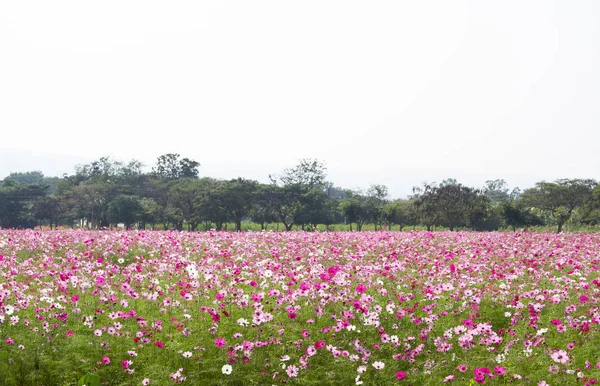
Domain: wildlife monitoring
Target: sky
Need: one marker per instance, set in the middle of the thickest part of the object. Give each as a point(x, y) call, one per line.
point(383, 92)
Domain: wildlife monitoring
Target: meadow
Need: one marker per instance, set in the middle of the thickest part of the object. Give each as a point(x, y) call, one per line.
point(298, 308)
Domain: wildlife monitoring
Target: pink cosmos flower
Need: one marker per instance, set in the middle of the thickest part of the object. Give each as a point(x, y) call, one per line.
point(361, 288)
point(560, 356)
point(449, 378)
point(400, 375)
point(292, 371)
point(105, 360)
point(479, 374)
point(220, 342)
point(499, 370)
point(462, 368)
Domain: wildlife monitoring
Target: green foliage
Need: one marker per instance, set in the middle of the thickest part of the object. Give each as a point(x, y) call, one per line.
point(451, 204)
point(89, 380)
point(107, 193)
point(559, 199)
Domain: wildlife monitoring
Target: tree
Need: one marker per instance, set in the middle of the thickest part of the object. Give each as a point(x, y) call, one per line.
point(50, 208)
point(299, 192)
point(236, 197)
point(452, 204)
point(398, 212)
point(424, 204)
point(560, 198)
point(496, 191)
point(16, 203)
point(170, 166)
point(91, 201)
point(262, 211)
point(375, 204)
point(184, 204)
point(126, 209)
point(355, 209)
point(591, 211)
point(515, 215)
point(167, 166)
point(188, 168)
point(32, 177)
point(307, 174)
point(149, 212)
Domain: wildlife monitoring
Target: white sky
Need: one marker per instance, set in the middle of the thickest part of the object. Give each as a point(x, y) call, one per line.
point(394, 92)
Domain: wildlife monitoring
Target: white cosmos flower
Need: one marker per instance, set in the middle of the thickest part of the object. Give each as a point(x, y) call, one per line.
point(226, 369)
point(9, 310)
point(378, 365)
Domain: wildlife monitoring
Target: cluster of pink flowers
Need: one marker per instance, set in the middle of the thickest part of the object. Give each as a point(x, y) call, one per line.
point(402, 306)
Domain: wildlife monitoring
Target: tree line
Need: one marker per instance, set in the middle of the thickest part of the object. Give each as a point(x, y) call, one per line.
point(108, 193)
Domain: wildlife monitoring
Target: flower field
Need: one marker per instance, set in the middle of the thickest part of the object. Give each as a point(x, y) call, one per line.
point(372, 308)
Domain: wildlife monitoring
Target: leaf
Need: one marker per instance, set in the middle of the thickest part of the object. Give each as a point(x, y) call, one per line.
point(89, 380)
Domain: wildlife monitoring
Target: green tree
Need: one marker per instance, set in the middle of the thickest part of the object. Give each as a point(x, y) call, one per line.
point(31, 177)
point(375, 204)
point(451, 204)
point(425, 206)
point(496, 191)
point(17, 202)
point(50, 208)
point(263, 211)
point(355, 209)
point(298, 192)
point(126, 209)
point(398, 212)
point(170, 166)
point(560, 198)
point(236, 197)
point(184, 204)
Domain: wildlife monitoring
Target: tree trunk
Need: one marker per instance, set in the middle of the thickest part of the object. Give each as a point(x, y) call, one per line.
point(560, 226)
point(238, 225)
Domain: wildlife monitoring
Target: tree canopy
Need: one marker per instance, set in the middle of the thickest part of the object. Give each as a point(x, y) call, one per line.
point(107, 193)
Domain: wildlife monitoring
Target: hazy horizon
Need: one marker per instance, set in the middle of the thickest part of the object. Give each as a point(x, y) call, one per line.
point(393, 93)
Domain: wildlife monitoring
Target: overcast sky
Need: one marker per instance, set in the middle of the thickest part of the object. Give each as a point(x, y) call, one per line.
point(394, 92)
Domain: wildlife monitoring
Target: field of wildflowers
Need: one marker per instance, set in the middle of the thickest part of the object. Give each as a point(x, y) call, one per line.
point(262, 308)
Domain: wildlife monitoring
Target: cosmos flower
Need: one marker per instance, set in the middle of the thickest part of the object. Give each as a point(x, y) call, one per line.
point(226, 369)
